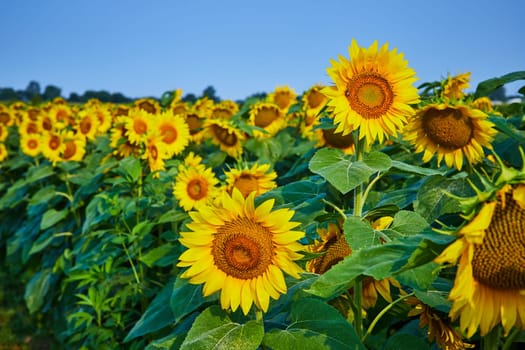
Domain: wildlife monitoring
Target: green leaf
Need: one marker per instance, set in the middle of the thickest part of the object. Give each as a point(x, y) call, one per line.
point(486, 87)
point(155, 255)
point(186, 298)
point(44, 240)
point(344, 174)
point(414, 169)
point(314, 325)
point(358, 233)
point(436, 299)
point(37, 288)
point(43, 195)
point(130, 168)
point(406, 223)
point(420, 277)
point(172, 216)
point(376, 261)
point(213, 329)
point(39, 173)
point(51, 217)
point(158, 315)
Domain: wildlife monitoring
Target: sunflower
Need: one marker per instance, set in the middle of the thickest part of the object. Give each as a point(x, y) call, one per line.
point(62, 115)
point(227, 137)
point(87, 124)
point(267, 116)
point(75, 146)
point(6, 116)
point(332, 139)
point(451, 132)
point(52, 146)
point(195, 186)
point(148, 105)
point(224, 109)
point(3, 132)
point(28, 126)
point(439, 330)
point(137, 125)
point(179, 107)
point(489, 286)
point(3, 152)
point(30, 144)
point(454, 87)
point(103, 114)
point(241, 250)
point(203, 107)
point(372, 93)
point(155, 152)
point(174, 132)
point(258, 178)
point(313, 101)
point(283, 96)
point(192, 160)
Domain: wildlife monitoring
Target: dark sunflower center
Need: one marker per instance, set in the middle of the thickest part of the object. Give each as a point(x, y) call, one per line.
point(243, 248)
point(54, 142)
point(169, 133)
point(225, 136)
point(197, 189)
point(222, 113)
point(246, 183)
point(194, 123)
point(370, 95)
point(315, 99)
point(147, 106)
point(448, 128)
point(265, 116)
point(70, 150)
point(499, 262)
point(32, 144)
point(140, 127)
point(336, 249)
point(85, 125)
point(4, 117)
point(337, 140)
point(47, 124)
point(32, 128)
point(153, 151)
point(283, 99)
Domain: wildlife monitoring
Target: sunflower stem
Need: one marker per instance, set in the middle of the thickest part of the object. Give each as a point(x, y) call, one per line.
point(510, 339)
point(358, 300)
point(491, 340)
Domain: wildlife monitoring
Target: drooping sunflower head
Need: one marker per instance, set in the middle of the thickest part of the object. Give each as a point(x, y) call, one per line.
point(373, 92)
point(267, 116)
point(258, 178)
point(224, 110)
point(454, 86)
point(282, 96)
point(229, 138)
point(330, 138)
point(195, 186)
point(332, 244)
point(489, 287)
point(451, 133)
point(242, 250)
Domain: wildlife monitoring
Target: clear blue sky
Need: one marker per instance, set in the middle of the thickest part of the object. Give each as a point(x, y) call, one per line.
point(144, 48)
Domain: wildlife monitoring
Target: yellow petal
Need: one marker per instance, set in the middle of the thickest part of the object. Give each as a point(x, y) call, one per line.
point(246, 297)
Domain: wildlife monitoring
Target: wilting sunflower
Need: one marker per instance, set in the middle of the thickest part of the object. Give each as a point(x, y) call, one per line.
point(195, 186)
point(241, 250)
point(226, 136)
point(258, 178)
point(3, 152)
point(283, 96)
point(439, 329)
point(489, 287)
point(450, 132)
point(137, 125)
point(31, 144)
point(174, 132)
point(373, 92)
point(267, 116)
point(454, 87)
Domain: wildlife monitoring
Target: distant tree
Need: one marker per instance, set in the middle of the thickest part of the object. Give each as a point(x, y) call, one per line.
point(191, 98)
point(33, 89)
point(74, 97)
point(210, 93)
point(117, 97)
point(51, 92)
point(8, 94)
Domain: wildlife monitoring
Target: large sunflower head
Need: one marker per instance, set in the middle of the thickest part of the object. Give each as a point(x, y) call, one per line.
point(195, 186)
point(450, 132)
point(373, 92)
point(267, 116)
point(226, 136)
point(258, 178)
point(241, 250)
point(489, 287)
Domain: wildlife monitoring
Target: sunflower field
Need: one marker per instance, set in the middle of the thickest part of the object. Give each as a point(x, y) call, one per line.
point(377, 212)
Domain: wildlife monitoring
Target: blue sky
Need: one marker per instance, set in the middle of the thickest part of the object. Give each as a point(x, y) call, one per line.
point(144, 48)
